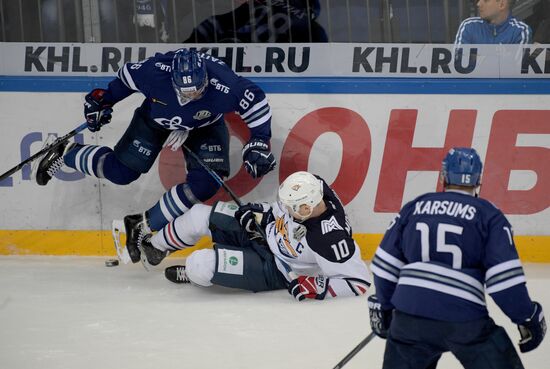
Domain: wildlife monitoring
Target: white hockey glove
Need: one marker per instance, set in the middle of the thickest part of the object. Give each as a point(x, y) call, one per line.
point(176, 139)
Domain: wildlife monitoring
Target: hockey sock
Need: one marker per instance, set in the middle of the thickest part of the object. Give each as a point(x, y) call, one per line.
point(184, 231)
point(100, 162)
point(200, 187)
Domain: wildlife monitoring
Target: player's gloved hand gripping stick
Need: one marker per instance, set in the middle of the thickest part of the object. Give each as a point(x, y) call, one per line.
point(56, 143)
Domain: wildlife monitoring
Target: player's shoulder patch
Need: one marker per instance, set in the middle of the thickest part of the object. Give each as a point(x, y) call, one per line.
point(331, 224)
point(335, 246)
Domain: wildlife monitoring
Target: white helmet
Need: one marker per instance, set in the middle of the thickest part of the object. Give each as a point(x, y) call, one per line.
point(301, 188)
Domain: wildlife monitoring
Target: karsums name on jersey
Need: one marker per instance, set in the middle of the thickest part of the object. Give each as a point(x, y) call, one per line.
point(445, 207)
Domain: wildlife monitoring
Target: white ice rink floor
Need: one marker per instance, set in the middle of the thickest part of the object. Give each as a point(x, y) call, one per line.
point(73, 312)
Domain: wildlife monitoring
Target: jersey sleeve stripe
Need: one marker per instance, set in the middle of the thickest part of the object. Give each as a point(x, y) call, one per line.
point(126, 77)
point(359, 287)
point(512, 273)
point(259, 122)
point(258, 114)
point(254, 108)
point(385, 266)
point(382, 273)
point(352, 288)
point(388, 258)
point(502, 267)
point(510, 282)
point(443, 288)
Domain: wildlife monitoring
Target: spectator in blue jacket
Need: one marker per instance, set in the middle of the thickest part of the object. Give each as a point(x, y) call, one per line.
point(495, 25)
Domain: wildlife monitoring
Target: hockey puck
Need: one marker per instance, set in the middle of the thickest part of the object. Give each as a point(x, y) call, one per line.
point(111, 262)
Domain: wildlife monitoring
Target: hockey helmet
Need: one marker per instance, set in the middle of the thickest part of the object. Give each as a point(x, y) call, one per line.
point(300, 193)
point(462, 167)
point(189, 76)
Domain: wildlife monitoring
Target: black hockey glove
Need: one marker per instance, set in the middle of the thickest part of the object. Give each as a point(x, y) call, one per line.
point(257, 158)
point(247, 216)
point(97, 111)
point(532, 331)
point(305, 287)
point(380, 320)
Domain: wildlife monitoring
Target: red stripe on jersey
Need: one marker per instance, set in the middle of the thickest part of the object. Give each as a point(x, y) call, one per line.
point(331, 291)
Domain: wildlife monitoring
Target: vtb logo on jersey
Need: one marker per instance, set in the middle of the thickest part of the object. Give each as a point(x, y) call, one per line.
point(211, 148)
point(218, 86)
point(140, 148)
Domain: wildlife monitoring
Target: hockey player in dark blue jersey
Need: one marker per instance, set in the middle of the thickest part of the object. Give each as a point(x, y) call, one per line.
point(439, 256)
point(186, 94)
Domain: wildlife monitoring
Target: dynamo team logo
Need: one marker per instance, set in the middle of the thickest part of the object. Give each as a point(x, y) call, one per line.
point(173, 124)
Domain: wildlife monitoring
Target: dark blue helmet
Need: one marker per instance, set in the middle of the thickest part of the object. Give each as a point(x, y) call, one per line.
point(189, 75)
point(462, 167)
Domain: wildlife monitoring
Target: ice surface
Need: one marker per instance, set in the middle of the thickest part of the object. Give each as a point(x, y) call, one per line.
point(73, 312)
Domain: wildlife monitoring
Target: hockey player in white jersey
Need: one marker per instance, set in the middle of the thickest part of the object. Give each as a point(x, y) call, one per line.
point(309, 250)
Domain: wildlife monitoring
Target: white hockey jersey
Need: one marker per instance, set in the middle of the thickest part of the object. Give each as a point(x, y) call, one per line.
point(319, 246)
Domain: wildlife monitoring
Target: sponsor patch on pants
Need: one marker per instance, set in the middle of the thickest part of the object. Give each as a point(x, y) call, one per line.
point(226, 208)
point(230, 261)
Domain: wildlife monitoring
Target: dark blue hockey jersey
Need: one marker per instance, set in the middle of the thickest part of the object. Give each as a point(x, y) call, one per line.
point(226, 92)
point(440, 255)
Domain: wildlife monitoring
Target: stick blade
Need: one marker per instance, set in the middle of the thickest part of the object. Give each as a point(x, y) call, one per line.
point(117, 229)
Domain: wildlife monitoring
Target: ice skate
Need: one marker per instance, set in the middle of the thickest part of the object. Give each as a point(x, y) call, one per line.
point(150, 254)
point(176, 274)
point(50, 163)
point(136, 229)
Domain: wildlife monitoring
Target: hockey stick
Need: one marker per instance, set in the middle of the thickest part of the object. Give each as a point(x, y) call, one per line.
point(213, 174)
point(54, 144)
point(261, 251)
point(221, 182)
point(354, 352)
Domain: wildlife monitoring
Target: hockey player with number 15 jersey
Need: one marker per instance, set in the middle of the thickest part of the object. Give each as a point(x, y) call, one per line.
point(436, 261)
point(310, 250)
